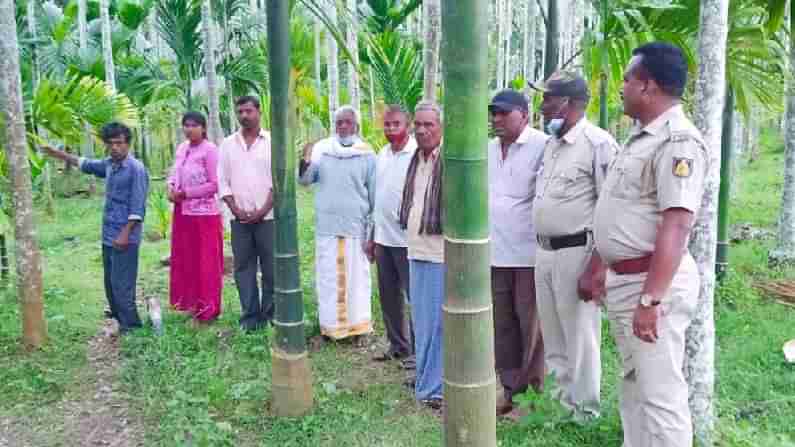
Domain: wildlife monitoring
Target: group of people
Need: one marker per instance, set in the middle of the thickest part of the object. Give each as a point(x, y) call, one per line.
point(239, 173)
point(577, 225)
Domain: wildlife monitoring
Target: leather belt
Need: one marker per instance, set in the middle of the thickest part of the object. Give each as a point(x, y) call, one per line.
point(557, 243)
point(632, 266)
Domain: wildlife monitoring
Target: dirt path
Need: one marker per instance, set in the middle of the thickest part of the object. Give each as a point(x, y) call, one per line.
point(94, 414)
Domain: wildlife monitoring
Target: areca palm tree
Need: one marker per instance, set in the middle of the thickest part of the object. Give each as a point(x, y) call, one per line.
point(178, 23)
point(754, 53)
point(430, 55)
point(30, 288)
point(709, 95)
point(107, 47)
point(215, 132)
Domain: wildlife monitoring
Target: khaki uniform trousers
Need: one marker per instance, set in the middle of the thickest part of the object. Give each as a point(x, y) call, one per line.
point(571, 329)
point(654, 396)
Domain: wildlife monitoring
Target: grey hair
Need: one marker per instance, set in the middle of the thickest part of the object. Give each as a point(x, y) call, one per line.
point(397, 108)
point(429, 106)
point(348, 109)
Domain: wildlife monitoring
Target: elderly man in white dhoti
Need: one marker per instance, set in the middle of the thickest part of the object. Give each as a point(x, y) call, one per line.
point(342, 168)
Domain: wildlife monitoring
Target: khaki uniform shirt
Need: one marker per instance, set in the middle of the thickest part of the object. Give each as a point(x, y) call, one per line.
point(662, 166)
point(423, 247)
point(572, 174)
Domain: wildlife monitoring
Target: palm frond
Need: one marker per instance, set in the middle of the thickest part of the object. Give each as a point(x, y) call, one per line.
point(397, 66)
point(381, 16)
point(62, 107)
point(178, 22)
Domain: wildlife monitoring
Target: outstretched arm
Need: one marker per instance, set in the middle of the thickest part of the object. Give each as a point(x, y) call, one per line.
point(61, 155)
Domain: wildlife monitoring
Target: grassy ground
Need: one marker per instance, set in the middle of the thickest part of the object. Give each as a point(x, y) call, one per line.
point(211, 387)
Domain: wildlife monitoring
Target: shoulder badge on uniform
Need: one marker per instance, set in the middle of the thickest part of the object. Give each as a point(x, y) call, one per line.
point(683, 167)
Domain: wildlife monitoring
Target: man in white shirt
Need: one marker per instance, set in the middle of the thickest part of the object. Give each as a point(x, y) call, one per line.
point(388, 243)
point(514, 158)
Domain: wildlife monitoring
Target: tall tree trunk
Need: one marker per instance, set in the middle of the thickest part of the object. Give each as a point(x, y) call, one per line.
point(214, 123)
point(4, 265)
point(49, 199)
point(107, 43)
point(353, 47)
point(785, 240)
point(291, 373)
point(604, 62)
point(508, 75)
point(541, 39)
point(499, 17)
point(318, 78)
point(333, 66)
point(529, 49)
point(87, 145)
point(469, 374)
point(28, 258)
point(528, 58)
point(552, 42)
point(709, 98)
point(372, 93)
point(82, 24)
point(146, 140)
point(430, 54)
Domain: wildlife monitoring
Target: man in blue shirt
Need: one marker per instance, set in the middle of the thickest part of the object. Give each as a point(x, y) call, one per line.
point(126, 187)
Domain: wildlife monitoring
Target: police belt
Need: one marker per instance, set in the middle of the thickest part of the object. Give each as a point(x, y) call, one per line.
point(632, 266)
point(557, 243)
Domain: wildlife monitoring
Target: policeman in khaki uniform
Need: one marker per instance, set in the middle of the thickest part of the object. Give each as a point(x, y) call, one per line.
point(642, 224)
point(573, 171)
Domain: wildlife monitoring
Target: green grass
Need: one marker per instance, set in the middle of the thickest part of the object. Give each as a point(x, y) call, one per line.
point(212, 387)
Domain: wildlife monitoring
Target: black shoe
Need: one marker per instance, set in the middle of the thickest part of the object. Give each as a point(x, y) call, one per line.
point(434, 403)
point(389, 356)
point(409, 363)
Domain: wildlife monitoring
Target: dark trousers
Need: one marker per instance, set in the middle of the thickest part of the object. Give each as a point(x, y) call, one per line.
point(519, 350)
point(252, 247)
point(121, 273)
point(393, 291)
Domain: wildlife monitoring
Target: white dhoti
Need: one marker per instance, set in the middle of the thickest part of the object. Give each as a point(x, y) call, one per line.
point(342, 276)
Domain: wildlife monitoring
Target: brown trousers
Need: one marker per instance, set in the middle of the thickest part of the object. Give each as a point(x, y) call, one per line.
point(519, 349)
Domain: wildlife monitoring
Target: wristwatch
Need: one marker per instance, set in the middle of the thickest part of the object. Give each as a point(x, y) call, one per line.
point(647, 300)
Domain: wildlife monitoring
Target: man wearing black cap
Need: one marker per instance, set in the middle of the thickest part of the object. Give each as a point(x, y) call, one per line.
point(514, 157)
point(574, 167)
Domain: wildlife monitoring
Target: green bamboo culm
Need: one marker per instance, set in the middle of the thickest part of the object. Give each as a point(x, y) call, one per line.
point(469, 376)
point(291, 371)
point(552, 41)
point(724, 194)
point(605, 68)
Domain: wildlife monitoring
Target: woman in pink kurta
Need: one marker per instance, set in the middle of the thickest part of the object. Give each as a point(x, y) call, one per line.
point(197, 259)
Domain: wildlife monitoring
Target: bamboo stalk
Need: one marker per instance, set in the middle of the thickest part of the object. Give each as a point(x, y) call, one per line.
point(469, 376)
point(291, 371)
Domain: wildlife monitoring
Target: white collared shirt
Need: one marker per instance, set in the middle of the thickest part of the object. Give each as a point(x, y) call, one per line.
point(512, 184)
point(390, 179)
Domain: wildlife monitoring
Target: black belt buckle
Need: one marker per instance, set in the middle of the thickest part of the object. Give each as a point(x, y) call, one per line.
point(568, 241)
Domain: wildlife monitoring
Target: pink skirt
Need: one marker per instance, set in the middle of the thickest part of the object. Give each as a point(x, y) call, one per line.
point(197, 264)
